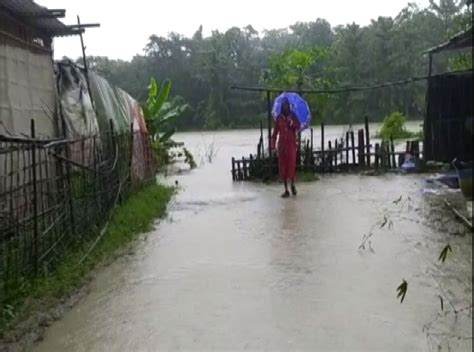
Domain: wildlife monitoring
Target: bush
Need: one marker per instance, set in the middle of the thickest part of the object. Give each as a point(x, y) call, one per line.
point(394, 126)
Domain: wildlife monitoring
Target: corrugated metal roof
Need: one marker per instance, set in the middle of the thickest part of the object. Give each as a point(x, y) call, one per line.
point(25, 11)
point(459, 41)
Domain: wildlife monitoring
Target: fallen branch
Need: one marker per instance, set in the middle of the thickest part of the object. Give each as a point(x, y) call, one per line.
point(459, 215)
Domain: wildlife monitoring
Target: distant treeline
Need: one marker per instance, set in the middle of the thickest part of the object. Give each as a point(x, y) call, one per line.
point(306, 55)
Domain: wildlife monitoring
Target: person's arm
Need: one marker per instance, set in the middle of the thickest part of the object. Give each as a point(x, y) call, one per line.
point(276, 130)
point(294, 124)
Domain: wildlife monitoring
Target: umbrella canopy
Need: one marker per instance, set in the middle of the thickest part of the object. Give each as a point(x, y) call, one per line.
point(298, 106)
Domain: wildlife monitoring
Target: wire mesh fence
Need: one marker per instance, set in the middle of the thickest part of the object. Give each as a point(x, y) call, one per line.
point(57, 193)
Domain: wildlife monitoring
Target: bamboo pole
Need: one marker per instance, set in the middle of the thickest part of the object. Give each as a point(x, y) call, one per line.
point(459, 215)
point(86, 69)
point(35, 199)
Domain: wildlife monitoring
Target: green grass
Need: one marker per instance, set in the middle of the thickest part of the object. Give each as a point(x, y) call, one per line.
point(306, 176)
point(134, 216)
point(301, 177)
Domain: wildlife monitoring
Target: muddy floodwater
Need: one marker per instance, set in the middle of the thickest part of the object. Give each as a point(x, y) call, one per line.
point(234, 267)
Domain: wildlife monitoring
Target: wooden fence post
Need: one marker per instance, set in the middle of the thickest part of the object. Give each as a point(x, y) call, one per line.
point(251, 166)
point(367, 139)
point(353, 148)
point(323, 157)
point(330, 157)
point(239, 174)
point(269, 121)
point(34, 198)
point(233, 169)
point(360, 148)
point(392, 149)
point(377, 155)
point(347, 149)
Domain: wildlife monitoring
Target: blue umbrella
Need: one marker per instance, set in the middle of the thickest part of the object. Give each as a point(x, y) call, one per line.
point(298, 106)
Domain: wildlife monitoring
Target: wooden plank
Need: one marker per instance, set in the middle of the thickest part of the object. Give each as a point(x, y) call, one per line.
point(244, 168)
point(373, 154)
point(336, 152)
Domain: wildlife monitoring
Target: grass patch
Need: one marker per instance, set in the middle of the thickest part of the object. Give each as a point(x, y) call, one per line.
point(306, 176)
point(134, 216)
point(301, 177)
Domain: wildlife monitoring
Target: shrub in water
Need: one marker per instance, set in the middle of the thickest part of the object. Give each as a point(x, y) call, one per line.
point(394, 126)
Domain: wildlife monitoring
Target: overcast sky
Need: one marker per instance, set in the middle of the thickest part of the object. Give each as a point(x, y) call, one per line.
point(126, 25)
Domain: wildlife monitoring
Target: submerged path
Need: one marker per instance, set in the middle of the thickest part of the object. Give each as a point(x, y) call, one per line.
point(234, 267)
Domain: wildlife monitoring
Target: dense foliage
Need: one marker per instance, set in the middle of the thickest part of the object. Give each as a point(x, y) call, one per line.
point(306, 55)
point(160, 116)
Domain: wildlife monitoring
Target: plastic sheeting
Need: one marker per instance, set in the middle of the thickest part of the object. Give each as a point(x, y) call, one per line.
point(85, 116)
point(110, 104)
point(141, 153)
point(27, 91)
point(75, 102)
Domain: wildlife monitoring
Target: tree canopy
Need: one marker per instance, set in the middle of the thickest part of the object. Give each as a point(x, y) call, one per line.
point(305, 55)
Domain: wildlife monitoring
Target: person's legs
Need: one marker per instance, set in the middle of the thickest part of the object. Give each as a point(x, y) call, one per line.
point(293, 188)
point(286, 194)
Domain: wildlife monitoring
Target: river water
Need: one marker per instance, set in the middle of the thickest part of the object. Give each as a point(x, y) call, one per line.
point(234, 267)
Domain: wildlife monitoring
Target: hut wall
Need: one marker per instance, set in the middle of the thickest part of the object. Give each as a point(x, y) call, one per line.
point(27, 88)
point(448, 121)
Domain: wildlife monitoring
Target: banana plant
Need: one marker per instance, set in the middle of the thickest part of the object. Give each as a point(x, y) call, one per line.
point(159, 112)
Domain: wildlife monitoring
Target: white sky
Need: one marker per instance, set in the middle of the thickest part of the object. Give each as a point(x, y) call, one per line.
point(126, 25)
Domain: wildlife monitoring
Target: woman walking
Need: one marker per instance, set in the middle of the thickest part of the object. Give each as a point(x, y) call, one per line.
point(285, 129)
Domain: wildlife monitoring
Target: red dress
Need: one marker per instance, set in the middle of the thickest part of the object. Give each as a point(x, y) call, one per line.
point(286, 131)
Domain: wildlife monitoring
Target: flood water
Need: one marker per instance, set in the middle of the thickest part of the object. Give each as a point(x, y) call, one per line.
point(234, 267)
